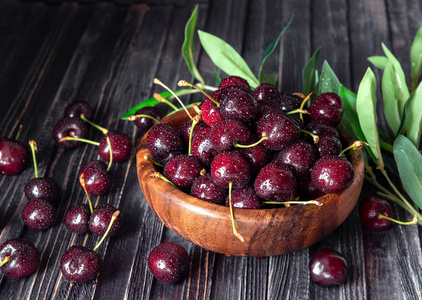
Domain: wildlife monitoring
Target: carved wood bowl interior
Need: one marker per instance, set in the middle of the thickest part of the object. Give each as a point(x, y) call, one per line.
point(267, 232)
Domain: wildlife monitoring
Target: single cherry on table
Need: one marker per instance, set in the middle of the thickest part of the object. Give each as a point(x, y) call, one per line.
point(18, 258)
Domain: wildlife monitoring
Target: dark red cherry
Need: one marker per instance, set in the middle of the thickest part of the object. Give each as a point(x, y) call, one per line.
point(265, 91)
point(168, 262)
point(258, 156)
point(233, 80)
point(205, 189)
point(144, 124)
point(307, 189)
point(70, 127)
point(321, 129)
point(39, 214)
point(76, 108)
point(288, 102)
point(80, 264)
point(245, 198)
point(42, 188)
point(370, 208)
point(77, 218)
point(14, 156)
point(163, 142)
point(182, 170)
point(186, 127)
point(328, 267)
point(327, 107)
point(332, 173)
point(96, 177)
point(121, 146)
point(238, 105)
point(210, 111)
point(202, 146)
point(100, 219)
point(275, 182)
point(281, 130)
point(226, 133)
point(230, 166)
point(18, 258)
point(328, 145)
point(299, 156)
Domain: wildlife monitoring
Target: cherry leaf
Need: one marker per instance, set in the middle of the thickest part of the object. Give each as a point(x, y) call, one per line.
point(378, 61)
point(328, 82)
point(310, 74)
point(392, 98)
point(416, 59)
point(414, 117)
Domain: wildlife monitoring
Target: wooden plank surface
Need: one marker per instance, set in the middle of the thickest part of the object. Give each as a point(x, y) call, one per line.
point(108, 55)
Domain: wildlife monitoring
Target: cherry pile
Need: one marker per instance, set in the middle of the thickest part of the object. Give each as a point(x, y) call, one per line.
point(253, 148)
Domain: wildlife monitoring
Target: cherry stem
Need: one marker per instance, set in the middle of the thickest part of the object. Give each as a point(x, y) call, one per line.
point(298, 111)
point(164, 100)
point(113, 218)
point(287, 203)
point(185, 83)
point(5, 261)
point(355, 146)
point(134, 117)
point(34, 148)
point(238, 235)
point(82, 182)
point(111, 153)
point(302, 105)
point(19, 132)
point(147, 157)
point(70, 138)
point(195, 121)
point(314, 136)
point(102, 129)
point(263, 138)
point(157, 81)
point(413, 222)
point(161, 176)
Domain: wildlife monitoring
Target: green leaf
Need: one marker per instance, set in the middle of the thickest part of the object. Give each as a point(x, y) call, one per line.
point(400, 78)
point(226, 57)
point(378, 61)
point(310, 75)
point(328, 82)
point(404, 114)
point(409, 163)
point(187, 47)
point(271, 48)
point(416, 59)
point(217, 77)
point(367, 114)
point(270, 79)
point(414, 117)
point(392, 98)
point(350, 118)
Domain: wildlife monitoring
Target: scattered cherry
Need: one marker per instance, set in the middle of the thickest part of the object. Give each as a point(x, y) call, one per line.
point(70, 127)
point(96, 177)
point(14, 156)
point(168, 262)
point(369, 210)
point(143, 123)
point(77, 218)
point(76, 108)
point(121, 146)
point(328, 267)
point(101, 217)
point(39, 214)
point(18, 258)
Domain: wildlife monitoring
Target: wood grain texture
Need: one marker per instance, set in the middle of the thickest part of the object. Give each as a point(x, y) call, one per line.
point(107, 54)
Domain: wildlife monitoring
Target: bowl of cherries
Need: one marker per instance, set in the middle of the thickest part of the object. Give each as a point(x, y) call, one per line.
point(251, 172)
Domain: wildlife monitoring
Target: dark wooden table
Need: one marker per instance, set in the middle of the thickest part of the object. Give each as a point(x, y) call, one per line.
point(107, 54)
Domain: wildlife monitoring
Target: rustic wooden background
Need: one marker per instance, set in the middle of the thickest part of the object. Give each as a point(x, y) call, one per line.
point(107, 54)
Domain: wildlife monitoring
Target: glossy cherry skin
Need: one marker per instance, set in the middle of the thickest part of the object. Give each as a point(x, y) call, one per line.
point(77, 218)
point(42, 188)
point(144, 124)
point(328, 267)
point(14, 156)
point(307, 189)
point(275, 182)
point(24, 258)
point(258, 156)
point(328, 145)
point(168, 262)
point(202, 146)
point(182, 170)
point(70, 127)
point(163, 143)
point(76, 108)
point(39, 214)
point(230, 166)
point(288, 102)
point(205, 189)
point(370, 208)
point(101, 217)
point(121, 146)
point(233, 80)
point(299, 156)
point(327, 107)
point(238, 105)
point(245, 198)
point(279, 127)
point(321, 129)
point(226, 133)
point(210, 111)
point(80, 264)
point(265, 91)
point(332, 173)
point(96, 177)
point(186, 127)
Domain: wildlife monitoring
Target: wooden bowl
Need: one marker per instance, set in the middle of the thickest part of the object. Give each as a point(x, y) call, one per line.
point(267, 232)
